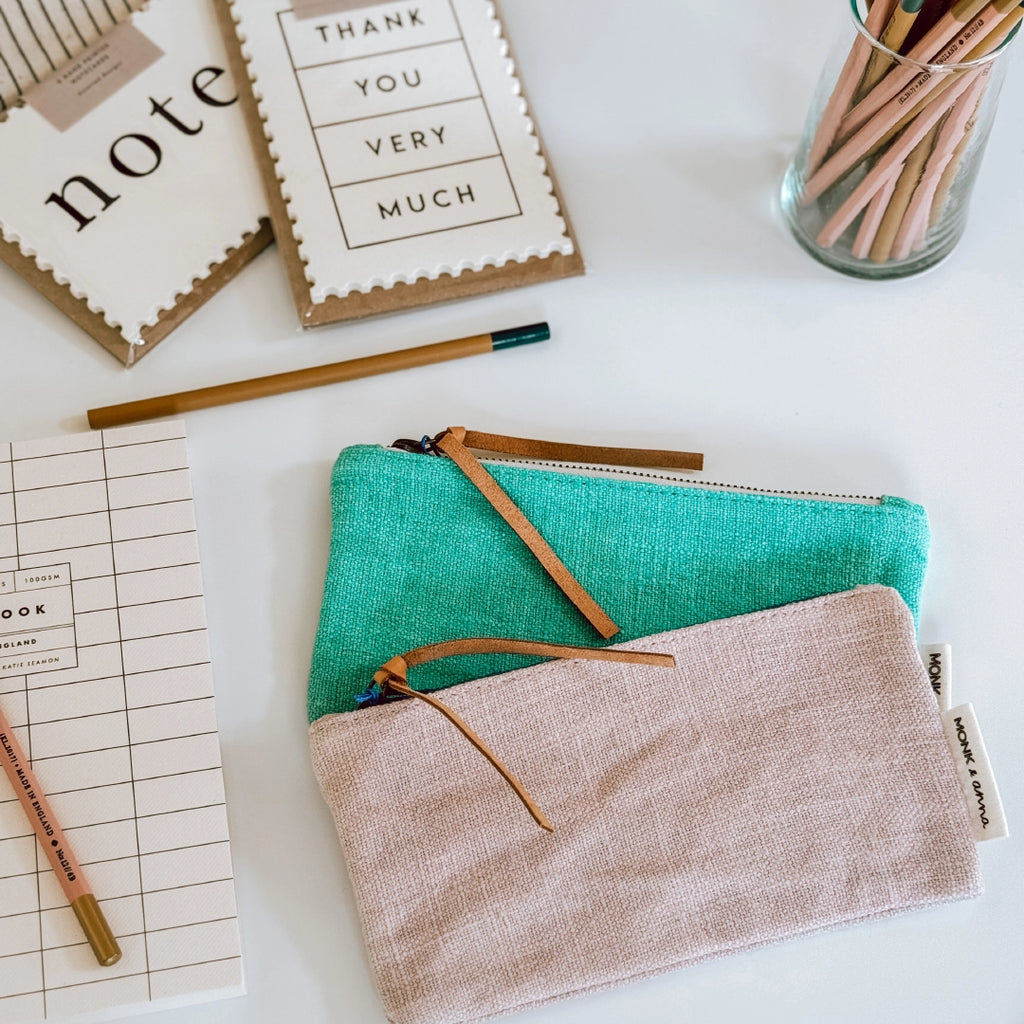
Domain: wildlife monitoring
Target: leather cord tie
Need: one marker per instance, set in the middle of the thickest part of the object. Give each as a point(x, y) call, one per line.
point(455, 442)
point(392, 679)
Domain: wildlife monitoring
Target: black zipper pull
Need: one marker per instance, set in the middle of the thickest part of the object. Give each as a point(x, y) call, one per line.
point(424, 446)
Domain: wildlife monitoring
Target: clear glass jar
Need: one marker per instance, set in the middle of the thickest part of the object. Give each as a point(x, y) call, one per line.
point(881, 182)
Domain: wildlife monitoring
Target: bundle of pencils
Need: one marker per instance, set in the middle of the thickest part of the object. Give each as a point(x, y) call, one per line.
point(894, 132)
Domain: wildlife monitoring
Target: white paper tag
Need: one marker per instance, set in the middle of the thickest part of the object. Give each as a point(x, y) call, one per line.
point(972, 766)
point(938, 663)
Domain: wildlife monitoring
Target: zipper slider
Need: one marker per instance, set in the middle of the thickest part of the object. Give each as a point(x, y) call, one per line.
point(424, 446)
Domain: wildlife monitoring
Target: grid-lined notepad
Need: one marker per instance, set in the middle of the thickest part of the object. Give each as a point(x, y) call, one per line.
point(111, 695)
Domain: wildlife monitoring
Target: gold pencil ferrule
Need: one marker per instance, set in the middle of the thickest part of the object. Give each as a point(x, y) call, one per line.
point(97, 931)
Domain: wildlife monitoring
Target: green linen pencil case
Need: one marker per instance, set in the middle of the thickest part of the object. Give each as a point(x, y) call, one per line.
point(420, 555)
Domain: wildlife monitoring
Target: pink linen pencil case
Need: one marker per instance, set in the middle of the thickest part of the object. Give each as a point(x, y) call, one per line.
point(743, 797)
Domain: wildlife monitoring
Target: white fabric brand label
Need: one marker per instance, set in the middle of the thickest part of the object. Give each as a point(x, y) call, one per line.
point(938, 663)
point(972, 765)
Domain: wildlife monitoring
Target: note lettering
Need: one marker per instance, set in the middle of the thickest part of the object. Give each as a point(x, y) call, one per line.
point(137, 154)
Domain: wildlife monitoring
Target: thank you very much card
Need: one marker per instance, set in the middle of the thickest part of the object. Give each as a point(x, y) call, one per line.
point(400, 140)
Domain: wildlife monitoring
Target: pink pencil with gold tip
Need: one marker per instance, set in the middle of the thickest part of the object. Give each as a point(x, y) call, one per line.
point(57, 848)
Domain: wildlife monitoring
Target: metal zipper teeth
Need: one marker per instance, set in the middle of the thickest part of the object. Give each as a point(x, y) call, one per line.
point(671, 478)
point(679, 481)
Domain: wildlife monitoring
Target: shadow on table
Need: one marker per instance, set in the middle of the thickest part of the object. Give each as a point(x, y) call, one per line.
point(707, 209)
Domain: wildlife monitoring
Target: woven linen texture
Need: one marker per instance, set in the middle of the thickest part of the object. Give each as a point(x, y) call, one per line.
point(790, 774)
point(418, 556)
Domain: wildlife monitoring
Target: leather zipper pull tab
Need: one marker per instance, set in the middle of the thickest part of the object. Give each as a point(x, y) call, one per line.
point(392, 680)
point(451, 443)
point(558, 451)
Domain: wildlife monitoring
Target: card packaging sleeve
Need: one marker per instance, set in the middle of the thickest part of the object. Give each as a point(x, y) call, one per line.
point(789, 775)
point(419, 556)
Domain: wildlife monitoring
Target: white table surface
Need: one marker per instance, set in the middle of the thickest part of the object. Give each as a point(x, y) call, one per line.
point(700, 325)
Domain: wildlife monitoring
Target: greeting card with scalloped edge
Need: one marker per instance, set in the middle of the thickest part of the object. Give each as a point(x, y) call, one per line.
point(129, 194)
point(402, 164)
